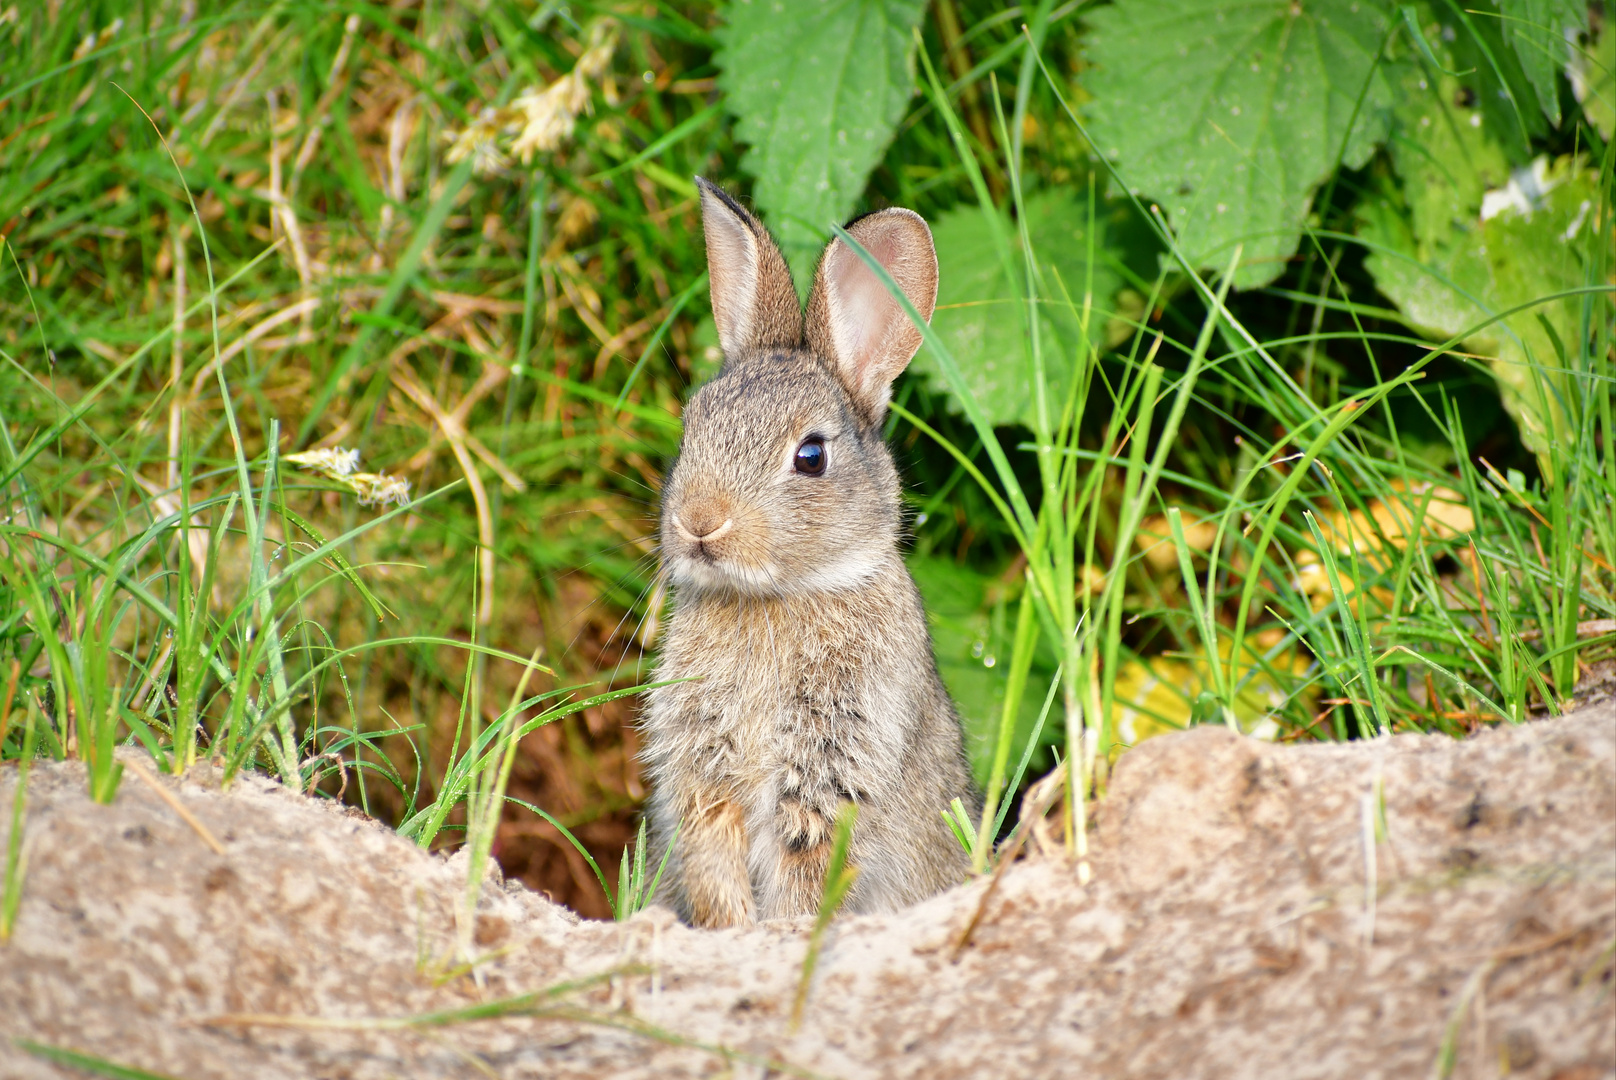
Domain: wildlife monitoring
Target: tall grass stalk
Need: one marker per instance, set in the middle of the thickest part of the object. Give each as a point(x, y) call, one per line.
point(839, 879)
point(485, 801)
point(16, 868)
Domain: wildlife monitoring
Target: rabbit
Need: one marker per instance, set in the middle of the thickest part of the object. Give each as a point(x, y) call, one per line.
point(809, 678)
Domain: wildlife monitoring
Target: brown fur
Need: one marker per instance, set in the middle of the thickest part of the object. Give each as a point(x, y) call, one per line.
point(715, 864)
point(809, 672)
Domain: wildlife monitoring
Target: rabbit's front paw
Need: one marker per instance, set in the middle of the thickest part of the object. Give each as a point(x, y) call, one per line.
point(716, 881)
point(805, 842)
point(801, 828)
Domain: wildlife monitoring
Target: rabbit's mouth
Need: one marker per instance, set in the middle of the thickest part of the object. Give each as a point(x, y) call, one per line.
point(714, 543)
point(707, 574)
point(737, 568)
point(697, 565)
point(709, 549)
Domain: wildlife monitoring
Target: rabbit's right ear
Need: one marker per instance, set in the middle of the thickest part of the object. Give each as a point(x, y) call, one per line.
point(755, 303)
point(854, 323)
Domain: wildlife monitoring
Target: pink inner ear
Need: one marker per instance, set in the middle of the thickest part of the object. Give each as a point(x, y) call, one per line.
point(866, 317)
point(862, 313)
point(854, 322)
point(733, 270)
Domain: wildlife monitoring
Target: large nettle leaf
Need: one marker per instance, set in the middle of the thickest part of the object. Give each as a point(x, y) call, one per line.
point(1229, 114)
point(977, 304)
point(817, 88)
point(1536, 30)
point(1593, 79)
point(1471, 239)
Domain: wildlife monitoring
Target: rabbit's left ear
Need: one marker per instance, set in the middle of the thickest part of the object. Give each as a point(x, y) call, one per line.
point(755, 305)
point(854, 322)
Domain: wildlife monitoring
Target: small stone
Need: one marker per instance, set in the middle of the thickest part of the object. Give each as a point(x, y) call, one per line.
point(1517, 1050)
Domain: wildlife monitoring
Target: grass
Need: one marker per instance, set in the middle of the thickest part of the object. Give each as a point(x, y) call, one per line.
point(839, 880)
point(553, 1003)
point(550, 1003)
point(86, 1063)
point(236, 237)
point(361, 236)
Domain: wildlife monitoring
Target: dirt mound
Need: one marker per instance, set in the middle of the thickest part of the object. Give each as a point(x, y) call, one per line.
point(1227, 931)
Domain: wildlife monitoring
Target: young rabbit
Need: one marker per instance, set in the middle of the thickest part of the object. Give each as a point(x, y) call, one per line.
point(810, 668)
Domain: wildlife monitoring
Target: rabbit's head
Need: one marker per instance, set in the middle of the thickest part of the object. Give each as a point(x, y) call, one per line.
point(783, 483)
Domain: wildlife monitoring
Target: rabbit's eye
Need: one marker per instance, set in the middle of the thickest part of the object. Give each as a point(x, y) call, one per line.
point(811, 456)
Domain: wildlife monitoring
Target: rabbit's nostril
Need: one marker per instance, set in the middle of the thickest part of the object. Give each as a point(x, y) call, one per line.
point(703, 522)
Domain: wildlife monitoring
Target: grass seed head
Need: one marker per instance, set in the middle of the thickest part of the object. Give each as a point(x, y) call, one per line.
point(335, 463)
point(540, 118)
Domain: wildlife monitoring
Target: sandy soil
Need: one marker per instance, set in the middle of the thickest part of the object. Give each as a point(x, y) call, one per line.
point(1226, 933)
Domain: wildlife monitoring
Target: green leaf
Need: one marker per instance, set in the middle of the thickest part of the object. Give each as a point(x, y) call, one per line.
point(1536, 30)
point(1448, 269)
point(972, 639)
point(817, 90)
point(977, 314)
point(1446, 157)
point(1229, 113)
point(1475, 36)
point(1593, 79)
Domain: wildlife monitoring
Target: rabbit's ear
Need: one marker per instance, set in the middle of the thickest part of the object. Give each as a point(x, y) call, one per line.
point(755, 303)
point(853, 321)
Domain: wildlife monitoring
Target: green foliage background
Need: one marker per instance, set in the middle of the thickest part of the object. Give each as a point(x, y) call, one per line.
point(462, 239)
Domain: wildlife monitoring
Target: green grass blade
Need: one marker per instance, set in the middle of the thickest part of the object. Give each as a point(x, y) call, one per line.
point(89, 1063)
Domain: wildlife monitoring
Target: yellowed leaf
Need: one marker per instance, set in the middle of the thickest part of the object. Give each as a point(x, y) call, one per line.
point(1367, 532)
point(1157, 694)
point(1155, 538)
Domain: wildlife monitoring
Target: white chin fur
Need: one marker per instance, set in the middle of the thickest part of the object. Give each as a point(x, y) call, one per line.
point(848, 572)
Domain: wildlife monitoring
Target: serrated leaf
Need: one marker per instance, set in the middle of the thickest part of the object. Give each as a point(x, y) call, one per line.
point(1536, 30)
point(1592, 71)
point(817, 88)
point(1449, 269)
point(977, 314)
point(1446, 156)
point(1229, 114)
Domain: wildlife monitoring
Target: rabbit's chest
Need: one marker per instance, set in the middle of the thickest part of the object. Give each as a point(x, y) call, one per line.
point(761, 691)
point(744, 681)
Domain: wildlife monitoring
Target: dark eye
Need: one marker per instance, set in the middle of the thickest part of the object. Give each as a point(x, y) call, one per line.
point(811, 456)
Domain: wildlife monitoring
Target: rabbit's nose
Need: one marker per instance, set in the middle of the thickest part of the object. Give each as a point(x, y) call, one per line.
point(703, 520)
